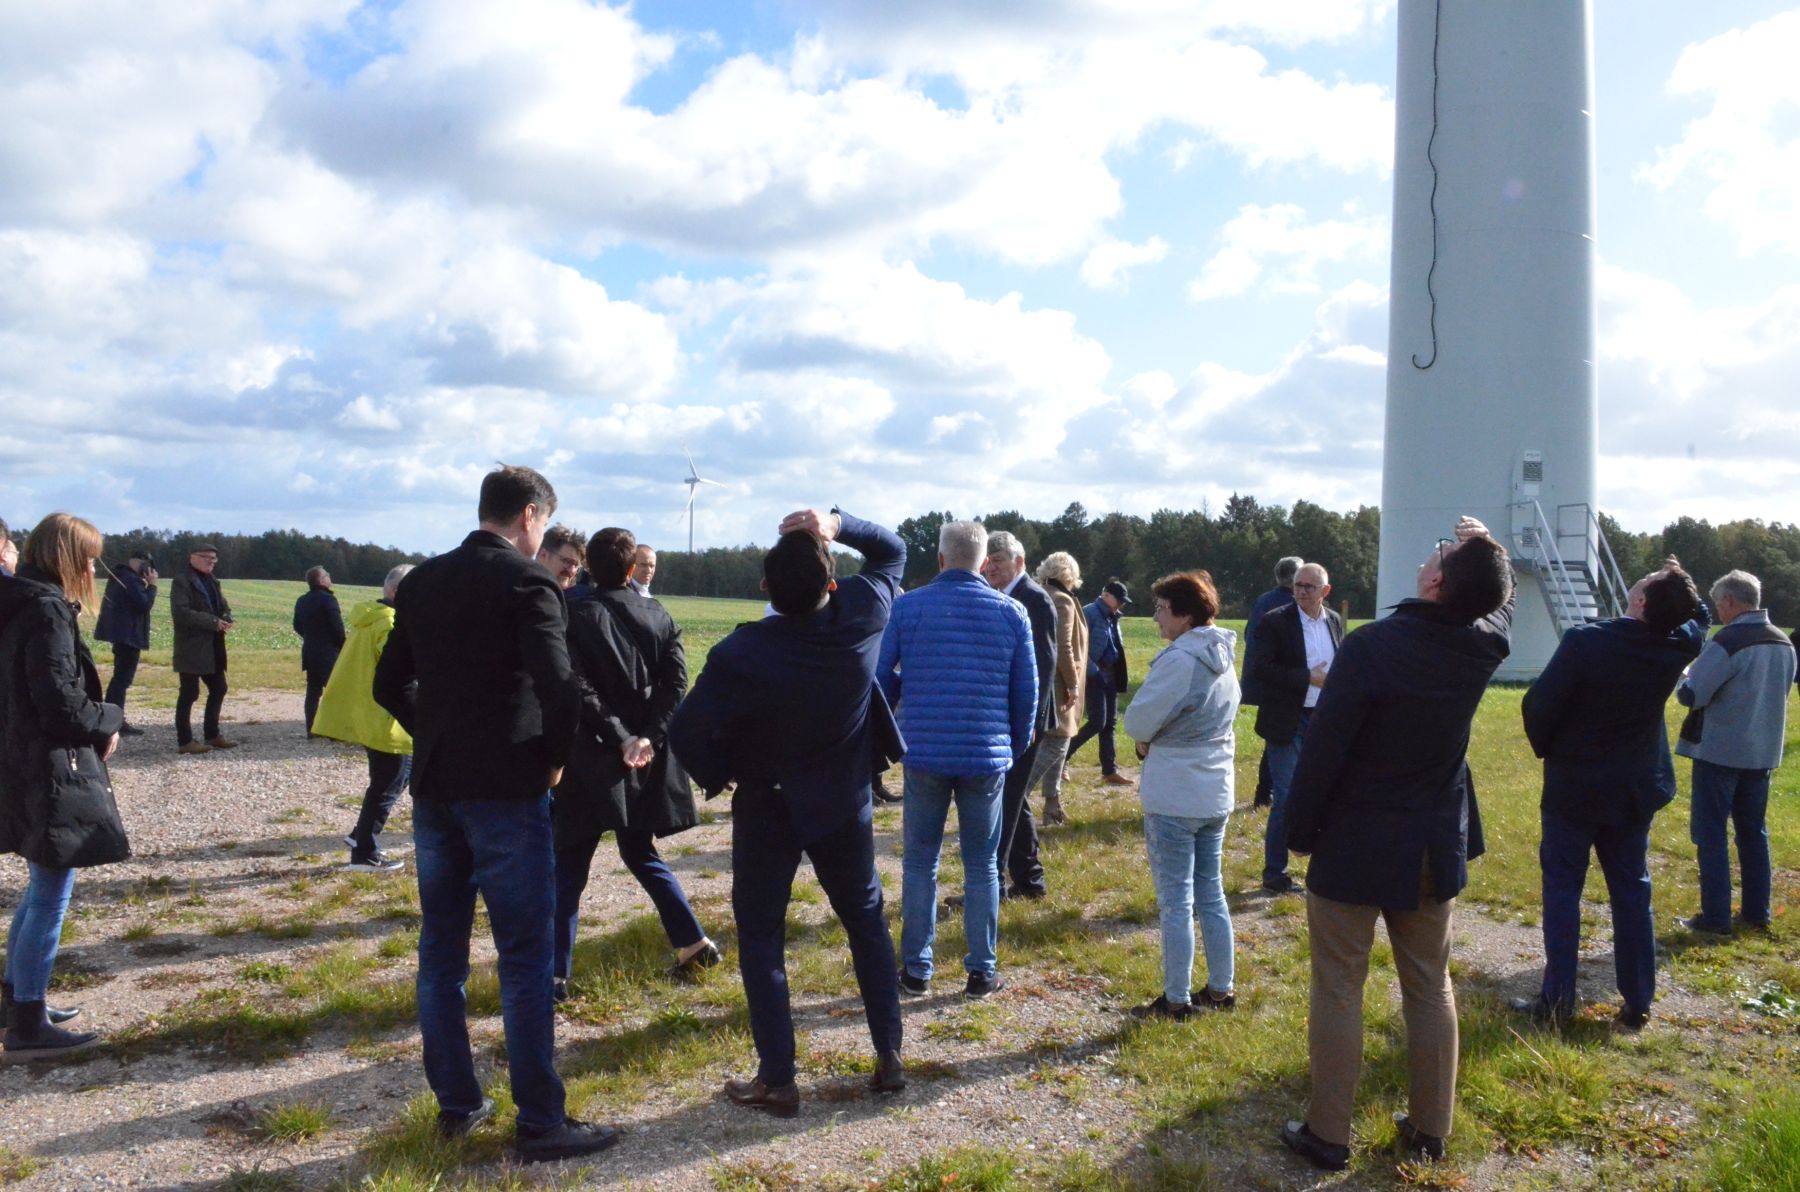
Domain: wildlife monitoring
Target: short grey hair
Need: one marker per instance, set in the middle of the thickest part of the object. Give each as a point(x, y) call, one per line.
point(963, 544)
point(1741, 586)
point(1286, 568)
point(1001, 542)
point(313, 575)
point(392, 582)
point(1324, 575)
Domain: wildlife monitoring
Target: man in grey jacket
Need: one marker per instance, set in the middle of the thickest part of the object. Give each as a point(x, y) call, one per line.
point(1737, 690)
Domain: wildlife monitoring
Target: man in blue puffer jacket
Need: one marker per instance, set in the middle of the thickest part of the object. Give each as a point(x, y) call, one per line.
point(957, 662)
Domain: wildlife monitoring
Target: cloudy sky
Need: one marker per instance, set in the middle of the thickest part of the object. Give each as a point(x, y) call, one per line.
point(317, 264)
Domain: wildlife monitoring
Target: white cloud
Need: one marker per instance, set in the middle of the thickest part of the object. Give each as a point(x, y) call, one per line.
point(1278, 247)
point(1745, 148)
point(1109, 262)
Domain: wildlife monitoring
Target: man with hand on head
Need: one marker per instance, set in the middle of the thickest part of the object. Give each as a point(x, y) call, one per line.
point(788, 710)
point(1295, 646)
point(1384, 801)
point(476, 670)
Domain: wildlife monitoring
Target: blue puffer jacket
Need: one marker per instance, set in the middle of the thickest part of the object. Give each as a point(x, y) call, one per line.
point(966, 687)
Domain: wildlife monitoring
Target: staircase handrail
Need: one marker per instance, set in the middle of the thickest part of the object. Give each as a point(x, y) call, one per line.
point(1566, 599)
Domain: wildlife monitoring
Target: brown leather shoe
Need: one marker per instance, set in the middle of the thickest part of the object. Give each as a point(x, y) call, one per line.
point(193, 747)
point(782, 1100)
point(1116, 779)
point(890, 1073)
point(221, 742)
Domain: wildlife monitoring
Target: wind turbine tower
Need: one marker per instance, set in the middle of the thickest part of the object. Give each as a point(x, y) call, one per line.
point(694, 481)
point(1492, 405)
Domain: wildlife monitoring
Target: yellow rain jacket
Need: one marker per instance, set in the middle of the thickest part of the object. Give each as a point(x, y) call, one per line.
point(347, 710)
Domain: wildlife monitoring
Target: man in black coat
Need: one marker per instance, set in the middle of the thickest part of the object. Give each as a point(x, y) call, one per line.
point(320, 624)
point(787, 708)
point(1276, 597)
point(1595, 715)
point(1295, 646)
point(627, 654)
point(125, 623)
point(1384, 802)
point(1005, 569)
point(477, 671)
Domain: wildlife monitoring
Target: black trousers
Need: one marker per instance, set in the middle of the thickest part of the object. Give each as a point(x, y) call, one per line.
point(125, 664)
point(1018, 854)
point(765, 855)
point(189, 691)
point(389, 774)
point(315, 687)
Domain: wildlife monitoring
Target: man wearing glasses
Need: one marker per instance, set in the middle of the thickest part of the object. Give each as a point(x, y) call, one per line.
point(1295, 646)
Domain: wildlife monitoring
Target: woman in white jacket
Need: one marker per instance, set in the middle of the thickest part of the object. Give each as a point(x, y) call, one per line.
point(1181, 719)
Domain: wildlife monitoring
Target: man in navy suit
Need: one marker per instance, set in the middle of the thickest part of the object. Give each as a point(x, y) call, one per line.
point(1295, 646)
point(787, 708)
point(1595, 715)
point(1276, 597)
point(1005, 569)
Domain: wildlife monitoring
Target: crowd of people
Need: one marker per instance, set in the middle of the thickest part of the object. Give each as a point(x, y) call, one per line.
point(535, 697)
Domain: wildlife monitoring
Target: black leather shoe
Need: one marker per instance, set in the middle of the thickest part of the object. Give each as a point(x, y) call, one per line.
point(1029, 893)
point(57, 1015)
point(1633, 1020)
point(130, 730)
point(890, 1074)
point(1165, 1009)
point(1542, 1010)
point(1699, 926)
point(559, 992)
point(458, 1125)
point(1415, 1142)
point(783, 1100)
point(571, 1140)
point(1327, 1156)
point(1283, 885)
point(705, 958)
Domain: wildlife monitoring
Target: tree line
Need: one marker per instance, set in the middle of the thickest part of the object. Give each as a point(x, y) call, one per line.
point(273, 554)
point(1240, 543)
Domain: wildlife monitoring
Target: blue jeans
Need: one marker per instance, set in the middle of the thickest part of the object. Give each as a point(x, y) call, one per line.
point(765, 854)
point(36, 931)
point(1624, 854)
point(928, 797)
point(1721, 794)
point(1283, 758)
point(1102, 720)
point(1184, 865)
point(500, 848)
point(638, 850)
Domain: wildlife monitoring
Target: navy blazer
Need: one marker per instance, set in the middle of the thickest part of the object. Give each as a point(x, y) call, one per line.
point(790, 702)
point(1383, 796)
point(320, 625)
point(477, 671)
point(1265, 604)
point(1595, 715)
point(1279, 672)
point(1041, 611)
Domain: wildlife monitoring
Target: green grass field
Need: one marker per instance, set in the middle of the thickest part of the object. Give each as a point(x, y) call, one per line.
point(1703, 1099)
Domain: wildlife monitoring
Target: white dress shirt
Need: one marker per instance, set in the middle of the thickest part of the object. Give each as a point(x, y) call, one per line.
point(1319, 650)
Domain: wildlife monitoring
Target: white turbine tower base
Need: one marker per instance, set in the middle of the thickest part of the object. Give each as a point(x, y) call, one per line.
point(1491, 393)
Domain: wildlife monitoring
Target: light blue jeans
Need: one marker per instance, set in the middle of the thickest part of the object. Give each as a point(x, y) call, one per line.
point(1185, 867)
point(928, 798)
point(37, 930)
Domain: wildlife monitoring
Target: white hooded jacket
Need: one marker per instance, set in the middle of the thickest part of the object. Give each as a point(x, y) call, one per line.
point(1185, 712)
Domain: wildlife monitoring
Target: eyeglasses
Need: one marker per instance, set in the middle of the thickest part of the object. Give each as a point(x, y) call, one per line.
point(1441, 544)
point(1307, 587)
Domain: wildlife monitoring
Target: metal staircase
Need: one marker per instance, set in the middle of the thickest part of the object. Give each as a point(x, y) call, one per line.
point(1576, 572)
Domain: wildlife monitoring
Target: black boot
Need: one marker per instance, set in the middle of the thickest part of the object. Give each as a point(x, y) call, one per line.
point(56, 1014)
point(29, 1036)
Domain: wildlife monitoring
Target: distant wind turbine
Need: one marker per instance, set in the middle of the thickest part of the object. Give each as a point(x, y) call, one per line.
point(694, 481)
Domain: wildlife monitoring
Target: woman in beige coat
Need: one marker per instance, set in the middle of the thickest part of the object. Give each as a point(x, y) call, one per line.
point(1061, 577)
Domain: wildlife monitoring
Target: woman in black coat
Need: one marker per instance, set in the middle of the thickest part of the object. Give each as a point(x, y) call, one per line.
point(56, 801)
point(621, 777)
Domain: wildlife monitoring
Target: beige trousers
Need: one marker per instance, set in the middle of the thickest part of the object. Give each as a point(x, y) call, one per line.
point(1342, 934)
